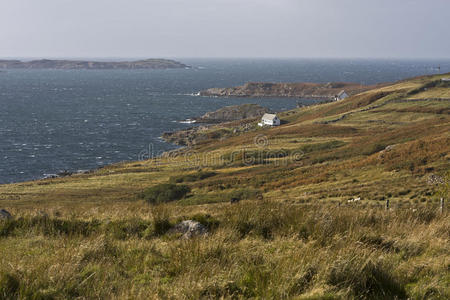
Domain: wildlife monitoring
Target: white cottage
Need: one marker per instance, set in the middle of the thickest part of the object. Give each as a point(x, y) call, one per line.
point(341, 96)
point(269, 120)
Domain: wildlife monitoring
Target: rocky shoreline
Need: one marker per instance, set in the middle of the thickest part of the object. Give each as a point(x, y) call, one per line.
point(221, 123)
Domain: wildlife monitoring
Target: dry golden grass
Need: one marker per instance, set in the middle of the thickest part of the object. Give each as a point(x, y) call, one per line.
point(91, 236)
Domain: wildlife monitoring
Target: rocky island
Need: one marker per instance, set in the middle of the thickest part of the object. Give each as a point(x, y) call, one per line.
point(320, 91)
point(94, 65)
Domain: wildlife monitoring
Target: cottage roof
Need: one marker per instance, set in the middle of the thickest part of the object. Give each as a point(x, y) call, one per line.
point(270, 117)
point(342, 93)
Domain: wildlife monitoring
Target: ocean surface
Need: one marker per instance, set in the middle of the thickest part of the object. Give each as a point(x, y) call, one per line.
point(55, 120)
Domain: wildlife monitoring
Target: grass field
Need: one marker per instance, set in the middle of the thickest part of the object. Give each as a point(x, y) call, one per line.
point(294, 234)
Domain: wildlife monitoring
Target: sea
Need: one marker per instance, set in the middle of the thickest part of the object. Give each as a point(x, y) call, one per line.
point(56, 120)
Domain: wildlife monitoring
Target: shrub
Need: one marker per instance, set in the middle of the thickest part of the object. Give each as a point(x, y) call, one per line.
point(206, 220)
point(165, 192)
point(191, 177)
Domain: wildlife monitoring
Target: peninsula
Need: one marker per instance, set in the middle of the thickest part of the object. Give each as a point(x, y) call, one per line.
point(94, 65)
point(321, 91)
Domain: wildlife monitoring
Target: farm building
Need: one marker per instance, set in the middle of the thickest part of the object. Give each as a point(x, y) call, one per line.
point(341, 96)
point(269, 120)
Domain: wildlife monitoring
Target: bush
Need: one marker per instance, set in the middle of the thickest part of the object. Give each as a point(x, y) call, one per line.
point(191, 177)
point(206, 220)
point(165, 192)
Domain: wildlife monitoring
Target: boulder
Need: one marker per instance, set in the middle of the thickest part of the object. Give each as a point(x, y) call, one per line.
point(435, 179)
point(189, 229)
point(390, 147)
point(4, 214)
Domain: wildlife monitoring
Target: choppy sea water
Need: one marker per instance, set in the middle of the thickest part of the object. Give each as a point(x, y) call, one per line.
point(54, 120)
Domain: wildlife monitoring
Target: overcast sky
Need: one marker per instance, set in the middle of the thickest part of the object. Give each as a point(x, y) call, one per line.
point(225, 28)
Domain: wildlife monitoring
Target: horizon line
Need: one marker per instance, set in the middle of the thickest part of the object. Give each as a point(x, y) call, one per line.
point(222, 57)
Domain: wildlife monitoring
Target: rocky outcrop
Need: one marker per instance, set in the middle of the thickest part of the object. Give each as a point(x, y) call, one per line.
point(187, 137)
point(233, 113)
point(322, 91)
point(5, 215)
point(95, 65)
point(189, 229)
point(222, 123)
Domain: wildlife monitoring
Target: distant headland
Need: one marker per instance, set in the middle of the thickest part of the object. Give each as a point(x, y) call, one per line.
point(94, 65)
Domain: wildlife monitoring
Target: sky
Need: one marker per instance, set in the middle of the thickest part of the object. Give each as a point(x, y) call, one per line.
point(225, 28)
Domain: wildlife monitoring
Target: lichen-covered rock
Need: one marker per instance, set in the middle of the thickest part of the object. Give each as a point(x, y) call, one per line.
point(189, 229)
point(435, 179)
point(4, 214)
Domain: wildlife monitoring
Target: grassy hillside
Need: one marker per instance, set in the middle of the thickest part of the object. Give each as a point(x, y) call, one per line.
point(295, 233)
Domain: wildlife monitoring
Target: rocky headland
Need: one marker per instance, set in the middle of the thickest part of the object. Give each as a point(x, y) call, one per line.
point(233, 113)
point(320, 91)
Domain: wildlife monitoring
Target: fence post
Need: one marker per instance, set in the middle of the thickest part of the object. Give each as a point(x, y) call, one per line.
point(387, 204)
point(442, 205)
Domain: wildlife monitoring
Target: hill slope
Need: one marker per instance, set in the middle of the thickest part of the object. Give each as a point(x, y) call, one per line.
point(311, 223)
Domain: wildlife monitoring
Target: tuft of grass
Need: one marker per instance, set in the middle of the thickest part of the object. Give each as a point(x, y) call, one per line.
point(48, 227)
point(365, 277)
point(9, 286)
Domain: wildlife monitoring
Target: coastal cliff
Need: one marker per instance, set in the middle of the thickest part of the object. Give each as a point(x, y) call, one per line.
point(95, 65)
point(294, 90)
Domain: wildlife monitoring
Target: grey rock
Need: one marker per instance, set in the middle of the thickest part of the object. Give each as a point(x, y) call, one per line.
point(435, 179)
point(189, 229)
point(390, 147)
point(5, 215)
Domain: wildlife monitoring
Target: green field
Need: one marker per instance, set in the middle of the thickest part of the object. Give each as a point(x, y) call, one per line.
point(295, 232)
